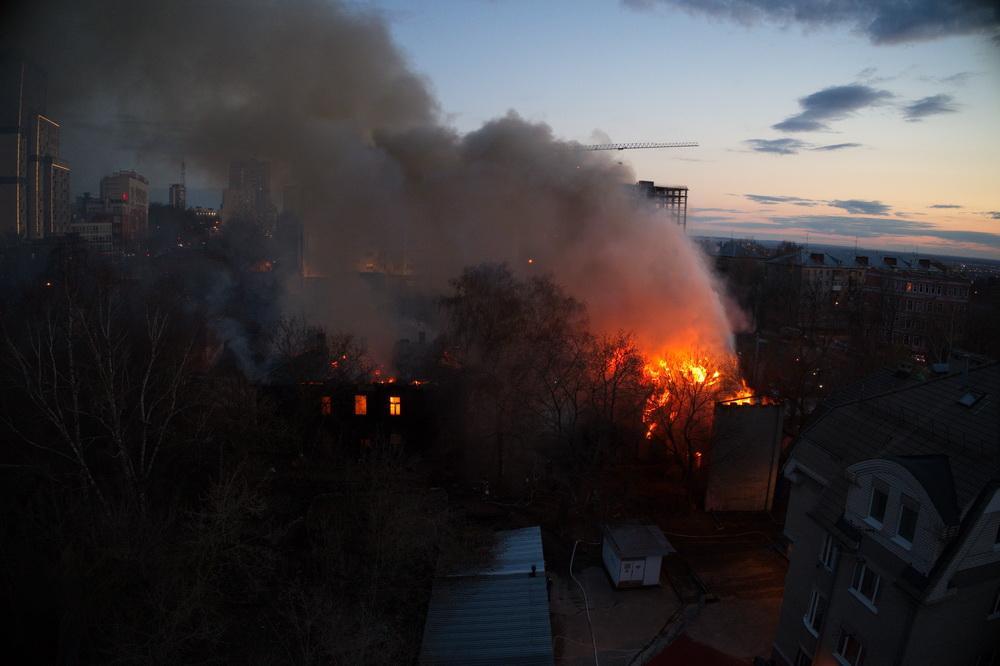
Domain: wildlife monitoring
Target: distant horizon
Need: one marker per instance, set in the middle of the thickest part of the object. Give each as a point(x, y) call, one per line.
point(860, 248)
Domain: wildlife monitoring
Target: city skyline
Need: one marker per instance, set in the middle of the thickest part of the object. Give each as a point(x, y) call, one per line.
point(812, 128)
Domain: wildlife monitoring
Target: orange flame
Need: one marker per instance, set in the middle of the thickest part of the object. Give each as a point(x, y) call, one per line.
point(700, 373)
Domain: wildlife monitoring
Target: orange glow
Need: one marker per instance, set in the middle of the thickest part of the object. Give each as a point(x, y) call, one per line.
point(380, 379)
point(326, 405)
point(690, 382)
point(394, 405)
point(360, 405)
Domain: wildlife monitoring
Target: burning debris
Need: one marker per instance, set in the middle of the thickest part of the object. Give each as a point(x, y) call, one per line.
point(685, 386)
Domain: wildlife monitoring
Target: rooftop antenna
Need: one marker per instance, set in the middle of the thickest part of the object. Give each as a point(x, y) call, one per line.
point(182, 173)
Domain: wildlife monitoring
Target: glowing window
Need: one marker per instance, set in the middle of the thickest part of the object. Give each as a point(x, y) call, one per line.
point(394, 405)
point(360, 405)
point(326, 405)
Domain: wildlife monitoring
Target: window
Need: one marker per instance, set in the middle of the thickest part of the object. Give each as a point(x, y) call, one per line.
point(394, 405)
point(802, 658)
point(326, 405)
point(360, 405)
point(865, 584)
point(876, 509)
point(817, 611)
point(849, 649)
point(828, 556)
point(908, 509)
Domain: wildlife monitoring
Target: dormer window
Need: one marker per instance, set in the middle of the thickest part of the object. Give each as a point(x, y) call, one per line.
point(908, 510)
point(876, 508)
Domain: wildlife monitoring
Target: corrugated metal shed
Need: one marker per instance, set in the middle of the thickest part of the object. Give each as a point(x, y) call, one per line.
point(495, 614)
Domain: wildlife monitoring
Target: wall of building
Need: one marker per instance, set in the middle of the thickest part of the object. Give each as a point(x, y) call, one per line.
point(804, 570)
point(956, 630)
point(743, 462)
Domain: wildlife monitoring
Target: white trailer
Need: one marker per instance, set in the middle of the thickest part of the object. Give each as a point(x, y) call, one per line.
point(633, 554)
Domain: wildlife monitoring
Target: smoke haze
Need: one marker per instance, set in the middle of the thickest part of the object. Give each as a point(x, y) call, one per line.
point(321, 91)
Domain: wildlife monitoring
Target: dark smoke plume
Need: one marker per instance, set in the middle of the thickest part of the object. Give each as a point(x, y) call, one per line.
point(321, 92)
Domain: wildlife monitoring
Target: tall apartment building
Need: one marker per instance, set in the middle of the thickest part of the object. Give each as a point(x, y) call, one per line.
point(34, 182)
point(125, 194)
point(249, 194)
point(178, 196)
point(894, 526)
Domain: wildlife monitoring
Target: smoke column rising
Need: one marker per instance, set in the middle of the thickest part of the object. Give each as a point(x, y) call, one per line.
point(321, 90)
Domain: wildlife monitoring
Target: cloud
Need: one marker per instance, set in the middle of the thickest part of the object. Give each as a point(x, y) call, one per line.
point(929, 106)
point(715, 210)
point(787, 146)
point(882, 21)
point(876, 227)
point(956, 79)
point(837, 146)
point(600, 136)
point(944, 206)
point(776, 199)
point(861, 207)
point(777, 146)
point(992, 214)
point(853, 206)
point(833, 103)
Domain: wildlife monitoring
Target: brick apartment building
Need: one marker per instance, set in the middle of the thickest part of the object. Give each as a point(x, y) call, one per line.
point(919, 305)
point(894, 526)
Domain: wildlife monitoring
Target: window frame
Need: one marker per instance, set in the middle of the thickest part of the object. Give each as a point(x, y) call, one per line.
point(395, 405)
point(803, 658)
point(829, 555)
point(846, 636)
point(877, 487)
point(360, 404)
point(907, 503)
point(816, 613)
point(861, 572)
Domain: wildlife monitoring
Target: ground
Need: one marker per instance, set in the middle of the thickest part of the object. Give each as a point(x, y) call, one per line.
point(743, 570)
point(718, 601)
point(624, 620)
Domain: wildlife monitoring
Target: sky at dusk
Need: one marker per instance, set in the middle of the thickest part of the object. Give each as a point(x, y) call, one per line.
point(895, 143)
point(817, 121)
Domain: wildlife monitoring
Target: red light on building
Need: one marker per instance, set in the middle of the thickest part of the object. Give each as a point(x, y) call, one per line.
point(124, 196)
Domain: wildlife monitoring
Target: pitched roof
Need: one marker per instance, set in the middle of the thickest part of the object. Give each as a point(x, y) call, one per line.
point(926, 419)
point(934, 474)
point(494, 613)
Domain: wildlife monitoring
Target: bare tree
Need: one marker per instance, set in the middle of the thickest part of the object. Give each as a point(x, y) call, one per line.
point(683, 392)
point(109, 392)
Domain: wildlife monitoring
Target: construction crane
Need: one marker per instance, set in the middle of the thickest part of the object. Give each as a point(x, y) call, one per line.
point(646, 144)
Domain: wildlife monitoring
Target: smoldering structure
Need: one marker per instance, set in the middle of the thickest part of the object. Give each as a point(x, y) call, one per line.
point(321, 91)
